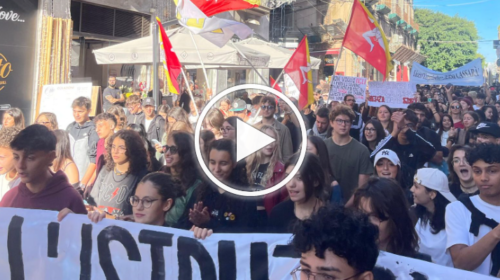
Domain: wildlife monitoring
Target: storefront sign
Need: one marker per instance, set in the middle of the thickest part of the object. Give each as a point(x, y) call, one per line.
point(18, 26)
point(470, 74)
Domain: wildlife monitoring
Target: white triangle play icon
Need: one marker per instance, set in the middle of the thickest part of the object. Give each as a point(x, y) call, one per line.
point(249, 140)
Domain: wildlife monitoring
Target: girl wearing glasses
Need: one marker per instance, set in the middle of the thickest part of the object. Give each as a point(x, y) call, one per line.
point(181, 164)
point(384, 202)
point(228, 129)
point(373, 133)
point(461, 181)
point(48, 119)
point(126, 164)
point(154, 196)
point(306, 191)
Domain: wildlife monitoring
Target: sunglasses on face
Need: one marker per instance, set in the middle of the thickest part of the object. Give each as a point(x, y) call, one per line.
point(173, 149)
point(455, 107)
point(268, 107)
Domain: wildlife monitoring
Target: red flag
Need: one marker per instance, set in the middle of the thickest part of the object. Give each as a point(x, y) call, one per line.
point(170, 61)
point(274, 84)
point(365, 37)
point(298, 69)
point(212, 7)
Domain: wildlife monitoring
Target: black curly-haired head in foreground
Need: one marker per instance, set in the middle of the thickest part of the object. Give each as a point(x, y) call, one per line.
point(344, 232)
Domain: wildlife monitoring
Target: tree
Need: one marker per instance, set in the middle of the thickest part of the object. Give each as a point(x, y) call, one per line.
point(435, 26)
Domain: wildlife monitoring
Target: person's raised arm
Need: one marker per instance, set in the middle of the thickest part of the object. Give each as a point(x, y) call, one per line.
point(449, 94)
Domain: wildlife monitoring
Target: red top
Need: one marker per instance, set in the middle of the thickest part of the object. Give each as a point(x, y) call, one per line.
point(459, 125)
point(274, 198)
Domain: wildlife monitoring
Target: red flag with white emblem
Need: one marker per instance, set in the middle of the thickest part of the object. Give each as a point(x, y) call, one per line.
point(299, 70)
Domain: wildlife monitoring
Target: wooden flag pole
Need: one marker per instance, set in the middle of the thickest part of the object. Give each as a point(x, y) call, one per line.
point(190, 93)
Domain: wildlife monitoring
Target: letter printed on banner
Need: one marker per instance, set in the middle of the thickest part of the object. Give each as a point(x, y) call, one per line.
point(38, 247)
point(468, 75)
point(392, 94)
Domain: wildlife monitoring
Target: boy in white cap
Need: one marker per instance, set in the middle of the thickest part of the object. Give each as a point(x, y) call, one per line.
point(431, 194)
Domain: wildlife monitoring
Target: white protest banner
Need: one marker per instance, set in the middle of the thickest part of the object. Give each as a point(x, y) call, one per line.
point(342, 85)
point(58, 98)
point(37, 247)
point(392, 94)
point(470, 74)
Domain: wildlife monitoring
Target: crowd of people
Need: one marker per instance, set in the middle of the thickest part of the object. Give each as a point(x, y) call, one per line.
point(421, 182)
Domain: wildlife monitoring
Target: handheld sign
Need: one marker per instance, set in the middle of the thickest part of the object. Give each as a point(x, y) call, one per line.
point(342, 85)
point(392, 94)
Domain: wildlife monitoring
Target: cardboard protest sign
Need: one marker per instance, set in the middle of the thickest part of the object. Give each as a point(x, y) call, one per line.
point(471, 74)
point(392, 94)
point(342, 85)
point(37, 247)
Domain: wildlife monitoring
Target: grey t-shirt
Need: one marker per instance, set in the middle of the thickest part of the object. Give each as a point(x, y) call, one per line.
point(347, 162)
point(111, 192)
point(113, 92)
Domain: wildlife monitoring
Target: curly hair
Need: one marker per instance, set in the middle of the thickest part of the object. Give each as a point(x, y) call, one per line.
point(489, 153)
point(348, 234)
point(342, 110)
point(7, 134)
point(135, 153)
point(388, 203)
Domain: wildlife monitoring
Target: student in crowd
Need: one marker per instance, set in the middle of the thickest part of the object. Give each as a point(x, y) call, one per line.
point(255, 115)
point(163, 112)
point(217, 209)
point(13, 117)
point(153, 164)
point(456, 114)
point(387, 165)
point(213, 122)
point(268, 109)
point(153, 124)
point(445, 127)
point(472, 229)
point(357, 122)
point(461, 180)
point(373, 134)
point(306, 192)
point(197, 104)
point(64, 161)
point(487, 132)
point(154, 196)
point(317, 147)
point(466, 104)
point(384, 202)
point(225, 105)
point(491, 114)
point(384, 115)
point(126, 165)
point(185, 98)
point(470, 120)
point(321, 125)
point(182, 165)
point(105, 125)
point(8, 174)
point(83, 139)
point(479, 101)
point(228, 128)
point(431, 196)
point(34, 151)
point(121, 118)
point(111, 94)
point(335, 243)
point(349, 160)
point(134, 107)
point(412, 149)
point(48, 119)
point(239, 109)
point(423, 125)
point(266, 169)
point(173, 116)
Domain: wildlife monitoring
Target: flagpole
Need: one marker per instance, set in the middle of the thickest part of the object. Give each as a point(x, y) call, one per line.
point(277, 79)
point(190, 93)
point(253, 67)
point(199, 56)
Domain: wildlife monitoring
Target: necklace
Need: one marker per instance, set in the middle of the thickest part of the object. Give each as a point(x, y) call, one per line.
point(119, 173)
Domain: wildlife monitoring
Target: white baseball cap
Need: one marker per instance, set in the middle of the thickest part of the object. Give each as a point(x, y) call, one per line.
point(434, 179)
point(388, 154)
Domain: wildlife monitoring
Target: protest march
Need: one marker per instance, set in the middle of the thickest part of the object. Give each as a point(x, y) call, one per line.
point(194, 139)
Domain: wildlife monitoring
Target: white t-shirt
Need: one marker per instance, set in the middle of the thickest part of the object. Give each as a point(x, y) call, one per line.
point(148, 123)
point(6, 185)
point(433, 245)
point(458, 220)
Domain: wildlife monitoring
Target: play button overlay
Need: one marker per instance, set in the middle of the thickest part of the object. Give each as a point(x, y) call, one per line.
point(249, 140)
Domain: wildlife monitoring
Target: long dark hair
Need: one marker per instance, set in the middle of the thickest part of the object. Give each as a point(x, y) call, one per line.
point(494, 118)
point(153, 163)
point(136, 152)
point(167, 187)
point(379, 129)
point(63, 149)
point(312, 174)
point(188, 165)
point(441, 128)
point(323, 157)
point(436, 219)
point(388, 203)
point(18, 116)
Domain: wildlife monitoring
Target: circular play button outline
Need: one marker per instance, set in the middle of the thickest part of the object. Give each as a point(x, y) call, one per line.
point(211, 104)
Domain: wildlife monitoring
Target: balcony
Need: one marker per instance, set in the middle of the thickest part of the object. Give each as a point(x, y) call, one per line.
point(401, 23)
point(383, 9)
point(370, 2)
point(394, 18)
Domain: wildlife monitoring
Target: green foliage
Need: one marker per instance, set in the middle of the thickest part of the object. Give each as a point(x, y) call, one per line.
point(435, 26)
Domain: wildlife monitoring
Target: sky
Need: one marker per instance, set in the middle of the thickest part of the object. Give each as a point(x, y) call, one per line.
point(484, 13)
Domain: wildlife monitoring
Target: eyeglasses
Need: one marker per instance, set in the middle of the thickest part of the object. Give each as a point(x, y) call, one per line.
point(43, 123)
point(455, 107)
point(120, 149)
point(224, 129)
point(370, 129)
point(341, 122)
point(268, 107)
point(173, 149)
point(349, 100)
point(314, 276)
point(458, 161)
point(146, 203)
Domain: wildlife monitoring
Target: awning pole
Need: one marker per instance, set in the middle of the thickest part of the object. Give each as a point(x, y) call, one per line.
point(253, 67)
